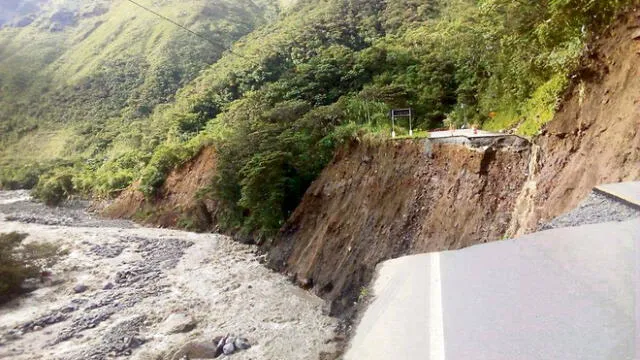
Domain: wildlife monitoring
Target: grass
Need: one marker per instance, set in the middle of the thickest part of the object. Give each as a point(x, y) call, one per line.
point(42, 145)
point(77, 93)
point(422, 134)
point(538, 110)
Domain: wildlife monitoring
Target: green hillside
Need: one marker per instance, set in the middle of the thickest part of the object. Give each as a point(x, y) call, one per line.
point(292, 90)
point(82, 72)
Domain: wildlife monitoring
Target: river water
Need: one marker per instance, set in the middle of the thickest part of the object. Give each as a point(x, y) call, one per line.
point(143, 284)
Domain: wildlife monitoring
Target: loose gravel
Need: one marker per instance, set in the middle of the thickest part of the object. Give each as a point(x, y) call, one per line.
point(597, 208)
point(21, 208)
point(121, 286)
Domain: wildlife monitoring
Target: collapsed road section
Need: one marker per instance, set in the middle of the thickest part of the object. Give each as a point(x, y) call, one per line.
point(566, 293)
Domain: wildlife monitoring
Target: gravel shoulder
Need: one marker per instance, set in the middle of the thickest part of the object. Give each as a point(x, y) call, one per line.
point(152, 294)
point(595, 209)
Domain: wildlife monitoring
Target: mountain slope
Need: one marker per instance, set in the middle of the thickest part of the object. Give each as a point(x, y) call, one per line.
point(19, 12)
point(85, 68)
point(324, 73)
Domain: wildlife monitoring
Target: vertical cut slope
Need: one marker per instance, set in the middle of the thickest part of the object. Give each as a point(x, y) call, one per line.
point(595, 136)
point(376, 202)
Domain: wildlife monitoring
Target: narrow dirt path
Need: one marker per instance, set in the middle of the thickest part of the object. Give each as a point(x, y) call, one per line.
point(151, 294)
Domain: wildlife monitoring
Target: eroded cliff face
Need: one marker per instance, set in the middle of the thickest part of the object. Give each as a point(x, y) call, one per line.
point(376, 202)
point(379, 201)
point(177, 203)
point(595, 136)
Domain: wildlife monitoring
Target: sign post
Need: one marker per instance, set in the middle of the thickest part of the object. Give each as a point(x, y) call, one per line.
point(393, 125)
point(401, 113)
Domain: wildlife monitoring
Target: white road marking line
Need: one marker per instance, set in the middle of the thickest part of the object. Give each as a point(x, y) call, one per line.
point(436, 322)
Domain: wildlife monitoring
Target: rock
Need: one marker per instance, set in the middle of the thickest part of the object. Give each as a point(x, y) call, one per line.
point(107, 286)
point(197, 350)
point(228, 349)
point(217, 339)
point(13, 335)
point(241, 343)
point(68, 309)
point(220, 344)
point(80, 288)
point(178, 323)
point(305, 283)
point(133, 342)
point(37, 328)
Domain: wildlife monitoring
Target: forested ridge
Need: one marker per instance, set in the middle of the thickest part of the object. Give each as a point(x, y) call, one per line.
point(317, 74)
point(80, 79)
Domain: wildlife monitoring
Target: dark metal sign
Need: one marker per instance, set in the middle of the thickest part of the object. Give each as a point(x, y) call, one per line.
point(395, 113)
point(401, 113)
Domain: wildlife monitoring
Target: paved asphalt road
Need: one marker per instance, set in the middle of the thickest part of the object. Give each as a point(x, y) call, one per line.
point(628, 192)
point(462, 132)
point(560, 294)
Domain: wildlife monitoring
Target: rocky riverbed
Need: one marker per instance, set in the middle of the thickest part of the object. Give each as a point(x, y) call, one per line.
point(125, 291)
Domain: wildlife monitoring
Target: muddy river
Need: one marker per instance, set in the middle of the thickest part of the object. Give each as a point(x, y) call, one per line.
point(125, 291)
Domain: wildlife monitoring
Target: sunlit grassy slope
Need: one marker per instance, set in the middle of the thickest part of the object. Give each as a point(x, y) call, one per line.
point(82, 64)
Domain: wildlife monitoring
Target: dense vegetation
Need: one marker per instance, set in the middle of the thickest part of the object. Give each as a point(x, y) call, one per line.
point(325, 72)
point(80, 80)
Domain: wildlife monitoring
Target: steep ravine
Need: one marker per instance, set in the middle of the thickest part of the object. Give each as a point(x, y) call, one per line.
point(379, 201)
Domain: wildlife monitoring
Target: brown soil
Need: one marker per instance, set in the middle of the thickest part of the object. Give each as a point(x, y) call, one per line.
point(177, 200)
point(376, 202)
point(595, 136)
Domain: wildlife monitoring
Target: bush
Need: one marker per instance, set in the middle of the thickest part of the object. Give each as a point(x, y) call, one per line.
point(54, 189)
point(527, 118)
point(166, 158)
point(19, 262)
point(24, 177)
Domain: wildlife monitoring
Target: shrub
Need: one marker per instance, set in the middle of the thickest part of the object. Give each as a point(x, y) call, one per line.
point(165, 158)
point(24, 177)
point(54, 189)
point(19, 262)
point(536, 111)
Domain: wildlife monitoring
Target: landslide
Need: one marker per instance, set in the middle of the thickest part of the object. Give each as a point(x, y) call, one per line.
point(594, 137)
point(379, 201)
point(376, 202)
point(176, 204)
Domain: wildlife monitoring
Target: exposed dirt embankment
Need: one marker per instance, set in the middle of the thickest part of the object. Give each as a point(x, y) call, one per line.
point(177, 200)
point(376, 202)
point(595, 136)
